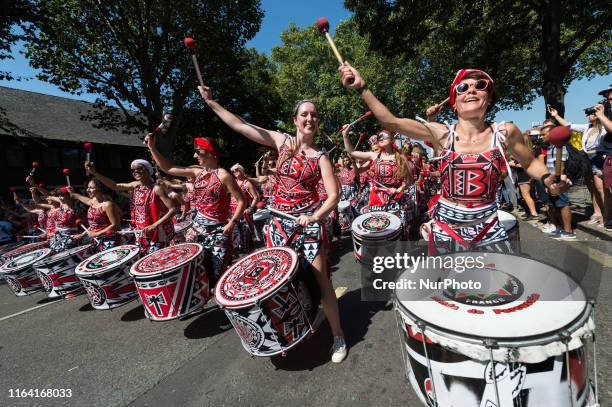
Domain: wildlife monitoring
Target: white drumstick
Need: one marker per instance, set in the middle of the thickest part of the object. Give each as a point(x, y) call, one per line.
point(286, 215)
point(87, 230)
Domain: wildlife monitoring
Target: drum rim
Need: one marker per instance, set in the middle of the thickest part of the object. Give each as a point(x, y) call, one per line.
point(134, 251)
point(39, 245)
point(533, 339)
point(136, 273)
point(4, 267)
point(382, 234)
point(62, 255)
point(252, 301)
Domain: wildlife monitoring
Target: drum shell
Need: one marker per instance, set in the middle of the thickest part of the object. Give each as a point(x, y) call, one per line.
point(460, 380)
point(261, 215)
point(291, 309)
point(57, 273)
point(174, 293)
point(23, 280)
point(346, 216)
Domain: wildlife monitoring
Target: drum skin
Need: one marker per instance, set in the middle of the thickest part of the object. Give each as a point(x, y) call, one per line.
point(172, 282)
point(275, 318)
point(372, 229)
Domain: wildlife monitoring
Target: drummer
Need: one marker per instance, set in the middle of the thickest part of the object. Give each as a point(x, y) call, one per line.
point(61, 218)
point(299, 167)
point(151, 209)
point(212, 188)
point(40, 213)
point(103, 216)
point(266, 179)
point(348, 179)
point(467, 193)
point(251, 197)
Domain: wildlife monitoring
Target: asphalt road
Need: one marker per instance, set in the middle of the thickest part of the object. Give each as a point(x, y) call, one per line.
point(119, 358)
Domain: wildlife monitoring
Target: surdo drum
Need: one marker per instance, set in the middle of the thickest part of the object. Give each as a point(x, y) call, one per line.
point(19, 272)
point(172, 282)
point(270, 300)
point(345, 215)
point(513, 342)
point(373, 228)
point(106, 279)
point(57, 272)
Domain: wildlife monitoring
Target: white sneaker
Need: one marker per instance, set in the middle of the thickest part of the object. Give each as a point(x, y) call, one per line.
point(549, 228)
point(339, 349)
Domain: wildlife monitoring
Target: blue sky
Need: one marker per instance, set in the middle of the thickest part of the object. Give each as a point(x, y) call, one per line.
point(278, 15)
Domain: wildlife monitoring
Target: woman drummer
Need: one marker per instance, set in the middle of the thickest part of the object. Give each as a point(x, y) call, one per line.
point(266, 178)
point(471, 159)
point(251, 197)
point(151, 209)
point(212, 188)
point(40, 213)
point(61, 218)
point(299, 167)
point(103, 216)
point(348, 179)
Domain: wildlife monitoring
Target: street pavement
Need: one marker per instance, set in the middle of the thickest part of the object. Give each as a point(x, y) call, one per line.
point(119, 358)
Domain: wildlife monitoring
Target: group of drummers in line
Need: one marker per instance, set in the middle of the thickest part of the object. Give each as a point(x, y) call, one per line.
point(302, 188)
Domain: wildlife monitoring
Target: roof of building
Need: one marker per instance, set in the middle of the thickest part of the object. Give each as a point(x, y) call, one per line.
point(31, 114)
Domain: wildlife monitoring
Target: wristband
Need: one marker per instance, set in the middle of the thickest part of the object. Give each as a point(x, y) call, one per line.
point(543, 177)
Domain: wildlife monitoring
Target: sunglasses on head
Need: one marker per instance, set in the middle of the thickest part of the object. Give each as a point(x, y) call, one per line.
point(480, 84)
point(383, 136)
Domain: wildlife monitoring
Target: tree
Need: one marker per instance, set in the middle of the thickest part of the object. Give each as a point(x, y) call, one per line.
point(131, 54)
point(530, 48)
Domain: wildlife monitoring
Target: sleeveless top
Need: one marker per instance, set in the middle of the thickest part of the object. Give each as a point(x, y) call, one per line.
point(347, 177)
point(65, 218)
point(147, 208)
point(473, 178)
point(97, 218)
point(385, 172)
point(52, 220)
point(268, 187)
point(210, 197)
point(42, 219)
point(244, 189)
point(296, 190)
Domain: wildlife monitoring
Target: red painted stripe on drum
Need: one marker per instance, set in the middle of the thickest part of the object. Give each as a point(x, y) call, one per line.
point(417, 335)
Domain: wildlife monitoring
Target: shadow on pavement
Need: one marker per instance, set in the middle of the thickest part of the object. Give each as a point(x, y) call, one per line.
point(356, 318)
point(46, 300)
point(208, 324)
point(86, 307)
point(134, 314)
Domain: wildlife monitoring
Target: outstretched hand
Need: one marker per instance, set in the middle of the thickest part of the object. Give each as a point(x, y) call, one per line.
point(205, 92)
point(351, 79)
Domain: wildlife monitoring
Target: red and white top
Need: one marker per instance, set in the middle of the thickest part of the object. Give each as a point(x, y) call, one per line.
point(210, 197)
point(347, 177)
point(244, 188)
point(42, 219)
point(65, 218)
point(268, 187)
point(298, 176)
point(384, 174)
point(147, 208)
point(52, 220)
point(97, 218)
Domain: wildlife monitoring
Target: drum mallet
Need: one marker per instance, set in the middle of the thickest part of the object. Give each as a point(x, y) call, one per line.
point(286, 215)
point(14, 191)
point(78, 222)
point(558, 137)
point(35, 165)
point(66, 172)
point(361, 136)
point(357, 120)
point(88, 146)
point(323, 26)
point(191, 46)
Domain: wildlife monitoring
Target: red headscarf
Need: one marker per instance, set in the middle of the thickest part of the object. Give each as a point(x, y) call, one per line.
point(459, 77)
point(205, 145)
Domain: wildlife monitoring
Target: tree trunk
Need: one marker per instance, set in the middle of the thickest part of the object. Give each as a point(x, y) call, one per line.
point(552, 86)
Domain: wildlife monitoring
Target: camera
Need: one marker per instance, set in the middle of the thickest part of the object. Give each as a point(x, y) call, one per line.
point(607, 109)
point(589, 110)
point(536, 138)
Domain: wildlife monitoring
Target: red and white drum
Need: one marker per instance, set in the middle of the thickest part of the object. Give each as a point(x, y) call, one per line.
point(270, 300)
point(372, 228)
point(514, 341)
point(345, 215)
point(19, 272)
point(106, 278)
point(57, 272)
point(172, 282)
point(21, 249)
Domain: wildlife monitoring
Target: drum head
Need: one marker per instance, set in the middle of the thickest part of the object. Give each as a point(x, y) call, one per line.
point(25, 248)
point(166, 259)
point(519, 298)
point(107, 260)
point(182, 226)
point(256, 277)
point(343, 205)
point(507, 220)
point(62, 255)
point(24, 260)
point(261, 214)
point(376, 225)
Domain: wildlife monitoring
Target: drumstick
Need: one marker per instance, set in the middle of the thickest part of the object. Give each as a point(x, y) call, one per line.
point(357, 120)
point(35, 165)
point(361, 136)
point(88, 146)
point(14, 191)
point(323, 27)
point(87, 230)
point(442, 103)
point(190, 44)
point(286, 215)
point(67, 174)
point(42, 230)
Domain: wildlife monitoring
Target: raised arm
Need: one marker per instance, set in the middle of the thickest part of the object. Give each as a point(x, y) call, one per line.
point(239, 125)
point(165, 164)
point(555, 115)
point(83, 199)
point(348, 146)
point(107, 181)
point(416, 129)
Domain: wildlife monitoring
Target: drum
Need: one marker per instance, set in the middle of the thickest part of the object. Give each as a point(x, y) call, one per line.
point(371, 228)
point(106, 279)
point(24, 249)
point(511, 225)
point(513, 341)
point(270, 300)
point(261, 215)
point(172, 282)
point(180, 229)
point(345, 215)
point(57, 272)
point(19, 272)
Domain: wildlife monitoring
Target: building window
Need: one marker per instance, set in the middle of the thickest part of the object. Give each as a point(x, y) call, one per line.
point(71, 159)
point(15, 156)
point(51, 157)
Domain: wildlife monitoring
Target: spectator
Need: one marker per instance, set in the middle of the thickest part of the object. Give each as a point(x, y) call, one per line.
point(524, 182)
point(592, 135)
point(603, 111)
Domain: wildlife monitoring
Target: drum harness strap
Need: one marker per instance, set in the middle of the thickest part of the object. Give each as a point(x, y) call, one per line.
point(450, 229)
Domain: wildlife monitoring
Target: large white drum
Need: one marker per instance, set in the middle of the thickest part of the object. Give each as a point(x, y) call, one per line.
point(57, 272)
point(512, 342)
point(19, 272)
point(374, 227)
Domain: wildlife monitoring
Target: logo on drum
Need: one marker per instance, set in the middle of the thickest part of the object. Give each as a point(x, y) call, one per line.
point(46, 282)
point(96, 294)
point(376, 223)
point(500, 289)
point(13, 284)
point(249, 331)
point(156, 301)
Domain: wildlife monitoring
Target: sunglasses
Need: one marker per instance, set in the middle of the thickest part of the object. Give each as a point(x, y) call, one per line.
point(480, 84)
point(383, 136)
point(139, 169)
